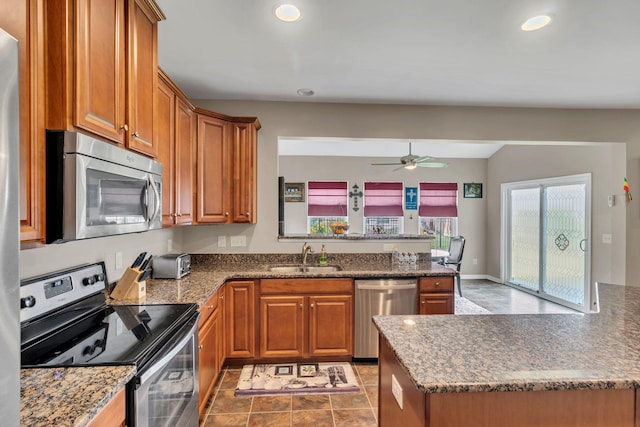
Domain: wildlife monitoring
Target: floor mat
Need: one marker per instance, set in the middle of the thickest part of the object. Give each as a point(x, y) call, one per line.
point(296, 378)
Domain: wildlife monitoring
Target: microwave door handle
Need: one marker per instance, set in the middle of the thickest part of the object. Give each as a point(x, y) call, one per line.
point(157, 206)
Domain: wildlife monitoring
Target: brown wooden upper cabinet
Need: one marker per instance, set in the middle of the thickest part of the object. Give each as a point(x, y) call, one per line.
point(102, 69)
point(176, 151)
point(226, 169)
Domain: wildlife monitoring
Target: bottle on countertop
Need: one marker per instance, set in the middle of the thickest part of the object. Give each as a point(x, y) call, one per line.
point(395, 257)
point(323, 255)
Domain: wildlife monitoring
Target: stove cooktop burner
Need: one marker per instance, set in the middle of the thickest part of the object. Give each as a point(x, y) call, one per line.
point(73, 326)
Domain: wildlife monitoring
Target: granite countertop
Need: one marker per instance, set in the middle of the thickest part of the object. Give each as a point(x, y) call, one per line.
point(522, 352)
point(68, 397)
point(206, 278)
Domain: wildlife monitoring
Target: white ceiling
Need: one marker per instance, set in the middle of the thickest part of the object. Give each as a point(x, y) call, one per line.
point(445, 52)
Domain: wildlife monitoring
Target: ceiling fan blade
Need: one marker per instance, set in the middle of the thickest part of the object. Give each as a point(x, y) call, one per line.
point(385, 164)
point(422, 159)
point(433, 165)
point(397, 169)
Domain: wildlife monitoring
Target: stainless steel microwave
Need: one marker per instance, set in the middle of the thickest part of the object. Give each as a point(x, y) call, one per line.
point(94, 189)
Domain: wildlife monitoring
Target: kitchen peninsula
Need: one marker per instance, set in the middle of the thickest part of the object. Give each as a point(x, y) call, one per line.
point(525, 370)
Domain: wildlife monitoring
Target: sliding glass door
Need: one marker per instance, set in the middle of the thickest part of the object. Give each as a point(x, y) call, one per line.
point(546, 224)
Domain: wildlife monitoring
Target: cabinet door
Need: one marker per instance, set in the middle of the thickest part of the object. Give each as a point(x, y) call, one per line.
point(436, 303)
point(244, 173)
point(113, 414)
point(208, 367)
point(331, 325)
point(282, 326)
point(100, 68)
point(142, 78)
point(240, 319)
point(166, 111)
point(213, 159)
point(185, 162)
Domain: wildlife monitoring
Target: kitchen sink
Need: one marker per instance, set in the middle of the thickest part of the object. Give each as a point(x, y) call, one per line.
point(321, 268)
point(303, 269)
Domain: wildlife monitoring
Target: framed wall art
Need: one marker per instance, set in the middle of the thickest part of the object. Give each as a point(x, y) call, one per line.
point(294, 191)
point(472, 191)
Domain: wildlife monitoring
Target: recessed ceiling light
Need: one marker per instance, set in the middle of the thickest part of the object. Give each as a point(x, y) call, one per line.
point(288, 13)
point(535, 23)
point(305, 92)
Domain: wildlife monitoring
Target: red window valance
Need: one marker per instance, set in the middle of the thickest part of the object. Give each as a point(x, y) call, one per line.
point(438, 199)
point(327, 198)
point(383, 199)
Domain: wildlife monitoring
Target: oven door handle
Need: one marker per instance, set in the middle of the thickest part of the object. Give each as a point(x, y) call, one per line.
point(176, 348)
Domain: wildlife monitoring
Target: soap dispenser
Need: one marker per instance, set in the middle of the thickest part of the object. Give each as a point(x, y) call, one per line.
point(323, 256)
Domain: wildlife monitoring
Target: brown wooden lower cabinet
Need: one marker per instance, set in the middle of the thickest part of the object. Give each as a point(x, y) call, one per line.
point(112, 415)
point(436, 295)
point(239, 319)
point(209, 349)
point(566, 408)
point(306, 317)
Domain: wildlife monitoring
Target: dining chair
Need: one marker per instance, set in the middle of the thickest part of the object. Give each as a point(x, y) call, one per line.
point(456, 249)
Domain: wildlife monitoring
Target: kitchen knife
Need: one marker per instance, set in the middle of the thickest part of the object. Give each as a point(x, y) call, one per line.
point(139, 260)
point(145, 274)
point(145, 264)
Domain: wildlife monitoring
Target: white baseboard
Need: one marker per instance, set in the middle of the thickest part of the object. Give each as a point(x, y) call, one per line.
point(480, 277)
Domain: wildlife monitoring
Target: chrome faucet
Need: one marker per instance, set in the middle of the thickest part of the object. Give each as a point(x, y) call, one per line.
point(306, 250)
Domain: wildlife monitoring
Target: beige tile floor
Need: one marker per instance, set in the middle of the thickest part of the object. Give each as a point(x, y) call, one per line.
point(317, 410)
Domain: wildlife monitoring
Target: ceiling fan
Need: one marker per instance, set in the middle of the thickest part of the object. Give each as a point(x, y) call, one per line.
point(411, 161)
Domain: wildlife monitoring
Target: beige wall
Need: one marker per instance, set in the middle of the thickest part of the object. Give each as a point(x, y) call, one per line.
point(471, 212)
point(606, 163)
point(364, 121)
point(420, 122)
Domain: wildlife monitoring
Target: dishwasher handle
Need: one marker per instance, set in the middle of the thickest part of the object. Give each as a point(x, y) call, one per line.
point(385, 287)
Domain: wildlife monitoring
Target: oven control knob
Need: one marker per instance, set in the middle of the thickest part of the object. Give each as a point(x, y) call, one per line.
point(88, 351)
point(88, 281)
point(99, 277)
point(29, 301)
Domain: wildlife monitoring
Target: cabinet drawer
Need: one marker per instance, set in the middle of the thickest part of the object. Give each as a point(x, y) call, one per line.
point(207, 309)
point(302, 286)
point(436, 284)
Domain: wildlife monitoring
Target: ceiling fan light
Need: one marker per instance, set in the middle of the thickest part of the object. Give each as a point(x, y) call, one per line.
point(410, 166)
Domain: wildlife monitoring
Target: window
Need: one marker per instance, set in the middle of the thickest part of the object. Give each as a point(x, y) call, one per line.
point(327, 204)
point(383, 211)
point(438, 212)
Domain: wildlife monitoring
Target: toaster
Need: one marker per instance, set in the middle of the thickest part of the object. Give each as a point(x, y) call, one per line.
point(171, 266)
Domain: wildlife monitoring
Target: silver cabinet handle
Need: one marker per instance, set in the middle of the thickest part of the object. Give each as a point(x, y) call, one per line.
point(135, 134)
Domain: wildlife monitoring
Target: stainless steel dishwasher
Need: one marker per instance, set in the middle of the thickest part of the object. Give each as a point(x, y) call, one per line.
point(380, 297)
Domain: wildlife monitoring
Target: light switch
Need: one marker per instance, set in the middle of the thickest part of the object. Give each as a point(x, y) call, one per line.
point(222, 241)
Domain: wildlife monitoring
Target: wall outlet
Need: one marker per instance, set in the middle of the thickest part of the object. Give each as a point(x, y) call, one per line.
point(169, 245)
point(238, 241)
point(222, 241)
point(387, 247)
point(606, 238)
point(396, 390)
point(118, 260)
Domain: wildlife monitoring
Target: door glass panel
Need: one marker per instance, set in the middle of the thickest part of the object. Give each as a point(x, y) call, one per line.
point(564, 272)
point(547, 231)
point(525, 242)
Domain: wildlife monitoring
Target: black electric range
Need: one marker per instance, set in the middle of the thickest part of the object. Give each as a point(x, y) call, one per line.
point(65, 321)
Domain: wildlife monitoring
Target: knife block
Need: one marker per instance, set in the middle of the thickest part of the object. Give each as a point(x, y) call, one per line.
point(128, 286)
